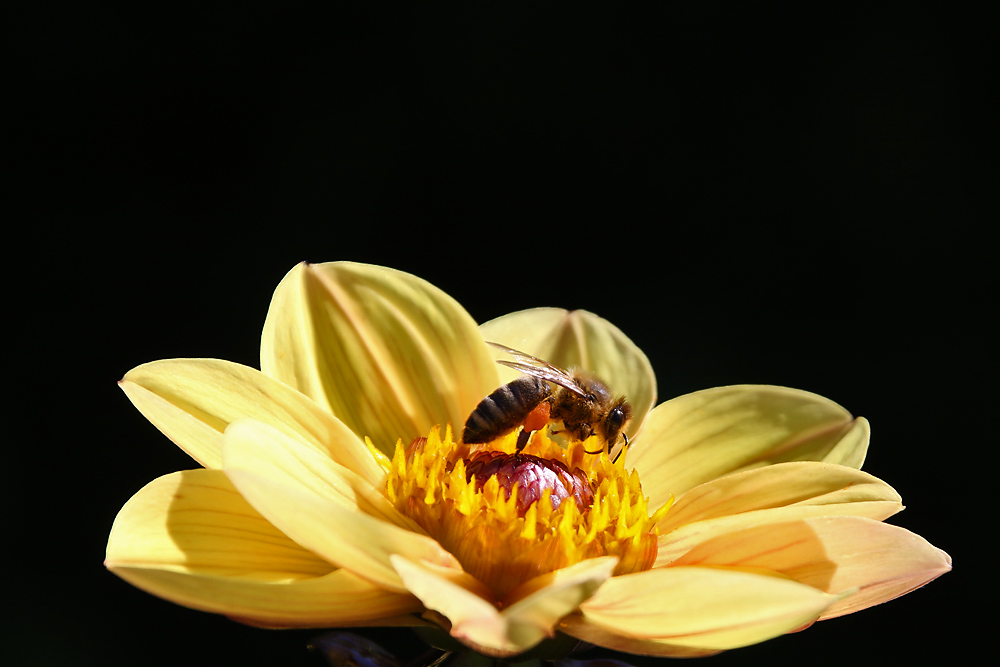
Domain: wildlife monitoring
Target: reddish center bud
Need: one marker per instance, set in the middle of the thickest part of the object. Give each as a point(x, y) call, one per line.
point(533, 475)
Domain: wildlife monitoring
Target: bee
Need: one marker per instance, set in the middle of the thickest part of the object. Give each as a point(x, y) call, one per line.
point(582, 402)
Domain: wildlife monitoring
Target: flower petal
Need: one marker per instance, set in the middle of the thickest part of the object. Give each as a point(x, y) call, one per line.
point(575, 626)
point(833, 554)
point(193, 400)
point(189, 537)
point(778, 493)
point(386, 352)
point(473, 616)
point(196, 520)
point(321, 505)
point(701, 436)
point(780, 485)
point(340, 598)
point(476, 621)
point(533, 608)
point(700, 607)
point(580, 339)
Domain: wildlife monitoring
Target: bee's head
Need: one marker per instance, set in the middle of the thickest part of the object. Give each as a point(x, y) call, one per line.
point(616, 421)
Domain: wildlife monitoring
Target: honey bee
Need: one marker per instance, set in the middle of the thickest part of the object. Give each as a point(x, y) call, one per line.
point(582, 402)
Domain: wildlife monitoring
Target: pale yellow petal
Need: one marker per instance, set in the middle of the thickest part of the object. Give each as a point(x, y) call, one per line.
point(196, 521)
point(575, 625)
point(386, 352)
point(780, 485)
point(700, 607)
point(193, 400)
point(580, 339)
point(833, 554)
point(320, 505)
point(475, 619)
point(534, 331)
point(778, 493)
point(189, 537)
point(852, 448)
point(533, 609)
point(340, 598)
point(698, 437)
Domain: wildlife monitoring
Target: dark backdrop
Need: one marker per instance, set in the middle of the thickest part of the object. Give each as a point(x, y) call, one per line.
point(763, 194)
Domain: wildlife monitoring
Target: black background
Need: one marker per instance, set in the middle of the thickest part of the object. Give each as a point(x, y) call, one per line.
point(763, 194)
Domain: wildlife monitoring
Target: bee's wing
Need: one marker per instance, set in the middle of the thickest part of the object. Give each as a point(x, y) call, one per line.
point(517, 354)
point(539, 368)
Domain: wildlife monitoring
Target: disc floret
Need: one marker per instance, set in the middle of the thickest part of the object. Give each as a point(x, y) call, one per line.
point(509, 516)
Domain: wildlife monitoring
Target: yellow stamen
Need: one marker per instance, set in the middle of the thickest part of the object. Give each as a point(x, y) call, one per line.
point(599, 509)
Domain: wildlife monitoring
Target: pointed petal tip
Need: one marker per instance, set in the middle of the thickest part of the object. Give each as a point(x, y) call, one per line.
point(380, 348)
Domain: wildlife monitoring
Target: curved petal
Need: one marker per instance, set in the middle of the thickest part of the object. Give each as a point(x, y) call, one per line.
point(575, 626)
point(189, 537)
point(386, 352)
point(321, 505)
point(193, 400)
point(534, 607)
point(852, 448)
point(475, 619)
point(833, 554)
point(580, 339)
point(778, 493)
point(701, 607)
point(780, 485)
point(698, 437)
point(196, 520)
point(340, 598)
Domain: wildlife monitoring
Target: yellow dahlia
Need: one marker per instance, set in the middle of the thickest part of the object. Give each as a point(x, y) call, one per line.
point(335, 490)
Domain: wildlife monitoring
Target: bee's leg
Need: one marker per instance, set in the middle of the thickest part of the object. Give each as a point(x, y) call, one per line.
point(522, 438)
point(623, 448)
point(534, 421)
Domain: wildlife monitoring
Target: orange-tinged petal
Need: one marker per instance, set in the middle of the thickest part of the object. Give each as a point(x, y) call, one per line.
point(580, 339)
point(193, 400)
point(698, 437)
point(701, 607)
point(778, 493)
point(476, 621)
point(320, 505)
point(386, 352)
point(189, 537)
point(833, 554)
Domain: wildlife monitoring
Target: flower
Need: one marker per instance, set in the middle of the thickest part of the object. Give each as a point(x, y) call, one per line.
point(334, 492)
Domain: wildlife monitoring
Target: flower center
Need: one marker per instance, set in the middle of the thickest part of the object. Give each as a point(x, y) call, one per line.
point(533, 477)
point(502, 512)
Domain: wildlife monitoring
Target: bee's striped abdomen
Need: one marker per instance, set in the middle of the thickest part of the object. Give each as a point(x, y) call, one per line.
point(505, 409)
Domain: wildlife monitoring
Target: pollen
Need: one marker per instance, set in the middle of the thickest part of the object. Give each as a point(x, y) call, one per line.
point(510, 516)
